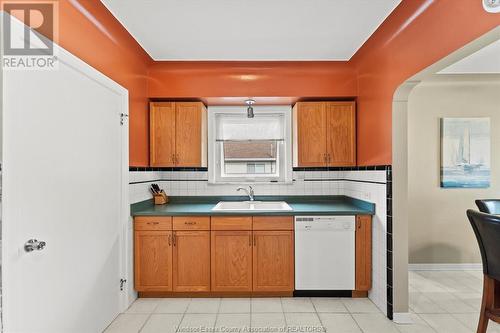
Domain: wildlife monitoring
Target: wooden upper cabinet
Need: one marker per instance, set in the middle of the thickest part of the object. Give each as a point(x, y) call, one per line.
point(178, 134)
point(153, 260)
point(162, 133)
point(190, 134)
point(363, 252)
point(324, 134)
point(231, 260)
point(310, 133)
point(273, 261)
point(341, 133)
point(191, 261)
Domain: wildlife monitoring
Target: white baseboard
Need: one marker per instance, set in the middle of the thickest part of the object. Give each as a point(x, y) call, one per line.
point(402, 318)
point(445, 267)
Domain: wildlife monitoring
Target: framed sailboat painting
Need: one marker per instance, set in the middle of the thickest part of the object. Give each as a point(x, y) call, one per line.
point(465, 152)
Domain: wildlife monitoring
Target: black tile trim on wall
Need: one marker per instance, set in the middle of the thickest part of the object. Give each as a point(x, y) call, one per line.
point(351, 168)
point(132, 168)
point(390, 274)
point(342, 179)
point(167, 180)
point(270, 182)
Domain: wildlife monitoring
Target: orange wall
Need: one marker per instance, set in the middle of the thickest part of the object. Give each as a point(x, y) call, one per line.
point(405, 44)
point(113, 51)
point(409, 40)
point(253, 79)
point(89, 31)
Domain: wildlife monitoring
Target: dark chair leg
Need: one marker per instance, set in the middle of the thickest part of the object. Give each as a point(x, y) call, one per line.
point(496, 299)
point(487, 303)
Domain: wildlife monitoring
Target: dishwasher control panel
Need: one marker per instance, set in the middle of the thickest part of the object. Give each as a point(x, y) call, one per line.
point(325, 222)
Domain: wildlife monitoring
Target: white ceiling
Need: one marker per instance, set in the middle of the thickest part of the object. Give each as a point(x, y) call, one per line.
point(484, 61)
point(251, 29)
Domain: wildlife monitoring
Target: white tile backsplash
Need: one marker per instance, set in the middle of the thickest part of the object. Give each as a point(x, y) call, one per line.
point(371, 186)
point(363, 184)
point(193, 183)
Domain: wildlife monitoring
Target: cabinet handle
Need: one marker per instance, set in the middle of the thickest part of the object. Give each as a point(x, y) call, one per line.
point(173, 158)
point(153, 223)
point(190, 223)
point(174, 239)
point(329, 158)
point(169, 240)
point(254, 241)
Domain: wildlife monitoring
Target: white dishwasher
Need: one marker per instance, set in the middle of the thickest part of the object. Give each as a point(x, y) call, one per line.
point(325, 252)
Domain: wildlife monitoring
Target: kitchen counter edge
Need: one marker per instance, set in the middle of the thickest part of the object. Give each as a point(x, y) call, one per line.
point(301, 205)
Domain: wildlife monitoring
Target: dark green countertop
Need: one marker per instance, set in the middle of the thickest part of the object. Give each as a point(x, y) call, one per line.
point(301, 205)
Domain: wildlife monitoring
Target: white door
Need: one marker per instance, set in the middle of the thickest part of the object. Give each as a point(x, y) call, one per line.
point(65, 172)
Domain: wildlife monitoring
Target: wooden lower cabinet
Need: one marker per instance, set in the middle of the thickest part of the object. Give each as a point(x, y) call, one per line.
point(363, 252)
point(231, 258)
point(224, 255)
point(273, 261)
point(191, 261)
point(153, 260)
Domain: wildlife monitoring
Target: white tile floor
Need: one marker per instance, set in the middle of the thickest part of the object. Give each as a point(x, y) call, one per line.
point(439, 301)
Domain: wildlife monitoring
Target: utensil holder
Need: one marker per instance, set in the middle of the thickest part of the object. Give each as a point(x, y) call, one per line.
point(161, 198)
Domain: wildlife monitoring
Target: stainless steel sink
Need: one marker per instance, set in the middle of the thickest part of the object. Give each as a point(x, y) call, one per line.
point(251, 206)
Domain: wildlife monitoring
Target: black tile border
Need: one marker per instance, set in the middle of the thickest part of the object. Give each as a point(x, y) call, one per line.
point(351, 168)
point(343, 180)
point(270, 182)
point(132, 168)
point(166, 180)
point(389, 240)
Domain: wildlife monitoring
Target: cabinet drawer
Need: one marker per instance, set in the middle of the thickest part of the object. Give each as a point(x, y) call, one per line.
point(153, 223)
point(231, 223)
point(273, 223)
point(191, 223)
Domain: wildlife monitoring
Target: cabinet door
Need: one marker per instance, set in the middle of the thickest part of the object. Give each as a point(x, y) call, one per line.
point(190, 134)
point(231, 260)
point(153, 260)
point(162, 134)
point(191, 261)
point(341, 119)
point(311, 134)
point(273, 261)
point(363, 252)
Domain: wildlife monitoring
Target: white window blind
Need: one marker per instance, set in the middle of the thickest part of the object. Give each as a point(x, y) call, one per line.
point(232, 127)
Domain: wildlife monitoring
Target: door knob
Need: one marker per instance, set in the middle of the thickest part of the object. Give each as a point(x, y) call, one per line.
point(34, 245)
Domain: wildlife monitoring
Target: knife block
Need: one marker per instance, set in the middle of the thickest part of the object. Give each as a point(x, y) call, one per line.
point(161, 198)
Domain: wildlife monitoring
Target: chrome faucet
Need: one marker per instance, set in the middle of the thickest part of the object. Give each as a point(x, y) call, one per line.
point(248, 191)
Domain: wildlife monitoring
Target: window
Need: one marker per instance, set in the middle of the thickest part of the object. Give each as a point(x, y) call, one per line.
point(245, 149)
point(256, 158)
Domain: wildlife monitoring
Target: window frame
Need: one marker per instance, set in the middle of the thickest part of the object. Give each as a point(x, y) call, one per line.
point(284, 154)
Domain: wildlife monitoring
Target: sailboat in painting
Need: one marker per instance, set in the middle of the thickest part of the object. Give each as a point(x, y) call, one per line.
point(464, 160)
point(465, 152)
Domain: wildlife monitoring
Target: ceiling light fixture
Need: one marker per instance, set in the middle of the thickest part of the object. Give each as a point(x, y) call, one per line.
point(249, 103)
point(491, 6)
